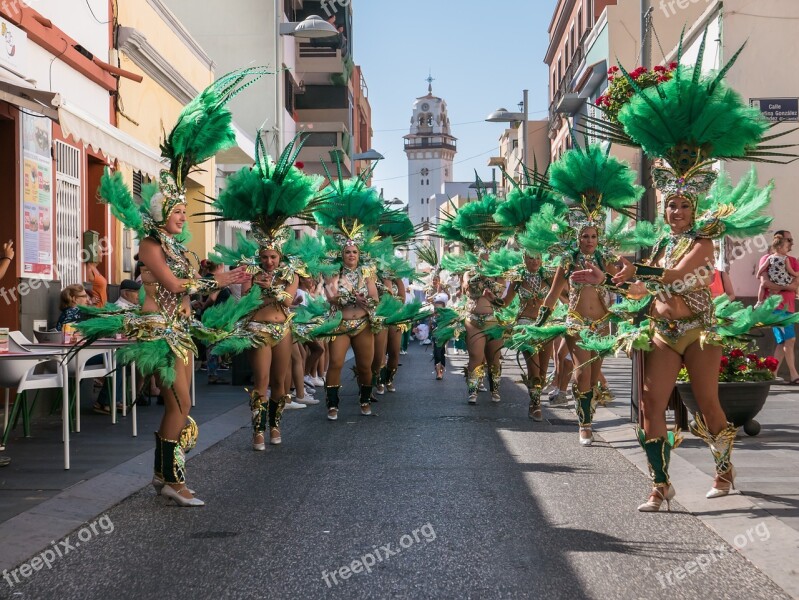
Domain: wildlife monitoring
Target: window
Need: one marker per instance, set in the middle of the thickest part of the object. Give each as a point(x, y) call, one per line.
point(580, 24)
point(69, 221)
point(571, 39)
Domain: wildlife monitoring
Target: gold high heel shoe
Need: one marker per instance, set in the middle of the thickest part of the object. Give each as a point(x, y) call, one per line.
point(656, 499)
point(723, 478)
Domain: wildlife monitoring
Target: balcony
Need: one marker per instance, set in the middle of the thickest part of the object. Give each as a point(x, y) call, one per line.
point(433, 142)
point(325, 137)
point(563, 99)
point(320, 56)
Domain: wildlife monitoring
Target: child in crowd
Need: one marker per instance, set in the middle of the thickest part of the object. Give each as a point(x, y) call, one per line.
point(778, 266)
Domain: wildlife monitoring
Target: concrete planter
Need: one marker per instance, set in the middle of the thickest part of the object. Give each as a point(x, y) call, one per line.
point(741, 401)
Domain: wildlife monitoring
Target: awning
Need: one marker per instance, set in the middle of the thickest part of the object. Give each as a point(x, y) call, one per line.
point(16, 91)
point(105, 138)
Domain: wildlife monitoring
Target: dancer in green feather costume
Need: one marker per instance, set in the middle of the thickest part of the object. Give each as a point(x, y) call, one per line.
point(474, 228)
point(686, 124)
point(266, 195)
point(530, 281)
point(162, 330)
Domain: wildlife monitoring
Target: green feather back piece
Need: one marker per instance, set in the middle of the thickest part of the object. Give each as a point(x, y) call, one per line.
point(346, 201)
point(545, 233)
point(627, 235)
point(503, 263)
point(596, 179)
point(475, 220)
point(232, 346)
point(736, 320)
point(246, 252)
point(428, 253)
point(396, 226)
point(523, 203)
point(312, 251)
point(204, 126)
point(748, 199)
point(458, 264)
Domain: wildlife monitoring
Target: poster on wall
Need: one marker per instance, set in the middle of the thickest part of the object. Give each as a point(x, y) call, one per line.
point(37, 197)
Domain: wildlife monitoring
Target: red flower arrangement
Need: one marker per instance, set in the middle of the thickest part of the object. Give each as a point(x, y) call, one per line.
point(736, 365)
point(620, 90)
point(299, 164)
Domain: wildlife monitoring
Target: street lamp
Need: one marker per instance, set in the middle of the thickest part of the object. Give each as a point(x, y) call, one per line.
point(370, 154)
point(312, 27)
point(503, 115)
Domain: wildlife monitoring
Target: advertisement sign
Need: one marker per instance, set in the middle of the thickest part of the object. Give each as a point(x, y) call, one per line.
point(37, 197)
point(13, 47)
point(777, 109)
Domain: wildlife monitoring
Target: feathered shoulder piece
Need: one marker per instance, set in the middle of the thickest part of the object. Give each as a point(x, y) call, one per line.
point(268, 194)
point(349, 209)
point(737, 211)
point(527, 199)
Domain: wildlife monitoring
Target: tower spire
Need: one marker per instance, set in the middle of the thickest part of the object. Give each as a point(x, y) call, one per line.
point(430, 81)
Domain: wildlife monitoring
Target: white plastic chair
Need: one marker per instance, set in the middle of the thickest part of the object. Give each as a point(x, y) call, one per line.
point(19, 373)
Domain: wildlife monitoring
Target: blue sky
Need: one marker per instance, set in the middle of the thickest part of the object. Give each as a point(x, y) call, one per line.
point(481, 54)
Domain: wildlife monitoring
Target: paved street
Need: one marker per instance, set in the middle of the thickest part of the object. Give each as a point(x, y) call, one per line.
point(438, 498)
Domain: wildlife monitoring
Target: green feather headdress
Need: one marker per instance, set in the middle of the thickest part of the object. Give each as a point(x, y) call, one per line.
point(349, 210)
point(268, 194)
point(690, 122)
point(476, 221)
point(203, 128)
point(595, 181)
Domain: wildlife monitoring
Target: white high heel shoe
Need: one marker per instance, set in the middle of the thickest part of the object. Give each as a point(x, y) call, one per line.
point(258, 446)
point(158, 484)
point(275, 441)
point(656, 499)
point(586, 441)
point(728, 477)
point(174, 495)
point(332, 414)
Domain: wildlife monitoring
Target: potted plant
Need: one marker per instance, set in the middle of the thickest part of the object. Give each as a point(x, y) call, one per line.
point(744, 383)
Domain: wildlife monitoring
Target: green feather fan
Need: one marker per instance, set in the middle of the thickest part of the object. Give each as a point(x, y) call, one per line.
point(114, 192)
point(502, 262)
point(523, 203)
point(227, 314)
point(106, 326)
point(544, 232)
point(232, 346)
point(428, 253)
point(246, 252)
point(475, 220)
point(346, 200)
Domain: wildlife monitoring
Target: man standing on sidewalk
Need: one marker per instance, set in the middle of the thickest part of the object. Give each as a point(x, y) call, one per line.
point(785, 336)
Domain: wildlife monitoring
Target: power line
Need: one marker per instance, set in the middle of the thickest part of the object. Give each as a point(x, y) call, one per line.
point(438, 168)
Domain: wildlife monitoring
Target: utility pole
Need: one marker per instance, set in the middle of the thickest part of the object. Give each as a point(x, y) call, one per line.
point(646, 209)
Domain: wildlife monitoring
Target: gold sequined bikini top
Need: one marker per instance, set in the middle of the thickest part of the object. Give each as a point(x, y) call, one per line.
point(350, 283)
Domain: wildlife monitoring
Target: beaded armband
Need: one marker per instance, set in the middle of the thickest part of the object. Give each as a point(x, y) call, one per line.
point(647, 273)
point(608, 283)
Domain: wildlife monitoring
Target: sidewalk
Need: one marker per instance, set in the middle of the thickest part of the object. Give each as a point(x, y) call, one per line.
point(767, 467)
